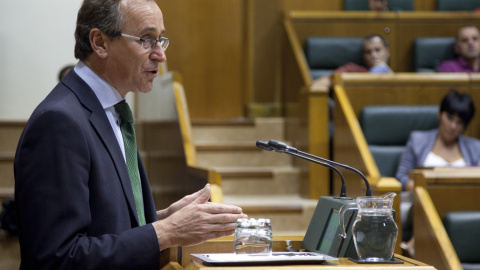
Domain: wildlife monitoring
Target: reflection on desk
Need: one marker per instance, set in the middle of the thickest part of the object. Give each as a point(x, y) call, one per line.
point(181, 258)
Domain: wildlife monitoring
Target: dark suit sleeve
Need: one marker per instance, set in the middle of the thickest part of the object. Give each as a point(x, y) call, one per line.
point(52, 173)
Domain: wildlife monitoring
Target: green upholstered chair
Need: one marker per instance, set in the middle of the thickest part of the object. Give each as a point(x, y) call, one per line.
point(456, 5)
point(393, 5)
point(463, 229)
point(387, 129)
point(325, 54)
point(429, 52)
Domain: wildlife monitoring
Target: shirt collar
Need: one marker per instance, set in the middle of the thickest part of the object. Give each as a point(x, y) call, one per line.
point(105, 92)
point(464, 64)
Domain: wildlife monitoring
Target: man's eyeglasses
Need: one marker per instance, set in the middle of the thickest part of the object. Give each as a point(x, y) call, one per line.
point(149, 43)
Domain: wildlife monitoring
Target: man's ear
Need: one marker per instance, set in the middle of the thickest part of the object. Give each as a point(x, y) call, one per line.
point(456, 49)
point(99, 43)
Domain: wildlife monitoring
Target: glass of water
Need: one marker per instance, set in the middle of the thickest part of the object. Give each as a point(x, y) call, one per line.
point(253, 236)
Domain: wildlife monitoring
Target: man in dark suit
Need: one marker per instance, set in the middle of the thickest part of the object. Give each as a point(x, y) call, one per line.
point(73, 191)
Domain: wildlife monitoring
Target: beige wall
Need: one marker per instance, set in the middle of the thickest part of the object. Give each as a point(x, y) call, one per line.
point(36, 42)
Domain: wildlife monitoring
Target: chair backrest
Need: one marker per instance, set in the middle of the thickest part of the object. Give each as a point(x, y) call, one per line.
point(455, 5)
point(393, 5)
point(463, 229)
point(430, 52)
point(387, 128)
point(325, 54)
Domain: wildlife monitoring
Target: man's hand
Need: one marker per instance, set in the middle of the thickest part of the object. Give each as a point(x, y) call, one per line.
point(196, 221)
point(204, 193)
point(377, 62)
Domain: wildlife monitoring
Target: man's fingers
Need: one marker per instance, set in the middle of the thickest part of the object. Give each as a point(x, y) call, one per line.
point(218, 208)
point(203, 195)
point(224, 218)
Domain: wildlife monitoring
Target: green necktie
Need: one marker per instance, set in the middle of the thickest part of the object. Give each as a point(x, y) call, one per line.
point(128, 133)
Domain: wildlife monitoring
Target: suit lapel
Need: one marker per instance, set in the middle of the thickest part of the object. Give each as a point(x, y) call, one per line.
point(102, 126)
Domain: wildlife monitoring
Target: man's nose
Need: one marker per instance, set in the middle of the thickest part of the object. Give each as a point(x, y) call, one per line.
point(455, 124)
point(158, 53)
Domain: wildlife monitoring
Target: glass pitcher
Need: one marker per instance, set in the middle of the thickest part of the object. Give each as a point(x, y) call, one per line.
point(374, 230)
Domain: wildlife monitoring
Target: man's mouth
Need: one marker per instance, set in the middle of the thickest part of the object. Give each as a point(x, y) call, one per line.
point(153, 72)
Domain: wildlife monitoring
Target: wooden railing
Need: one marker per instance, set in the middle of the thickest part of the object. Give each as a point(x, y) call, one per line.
point(437, 192)
point(212, 176)
point(167, 146)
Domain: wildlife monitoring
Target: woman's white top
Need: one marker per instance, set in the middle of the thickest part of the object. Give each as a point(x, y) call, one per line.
point(433, 160)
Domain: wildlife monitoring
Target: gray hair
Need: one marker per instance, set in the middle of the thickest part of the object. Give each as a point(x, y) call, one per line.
point(106, 15)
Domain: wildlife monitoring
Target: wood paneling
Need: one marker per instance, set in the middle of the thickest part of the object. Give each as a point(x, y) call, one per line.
point(231, 53)
point(312, 5)
point(425, 5)
point(264, 32)
point(208, 38)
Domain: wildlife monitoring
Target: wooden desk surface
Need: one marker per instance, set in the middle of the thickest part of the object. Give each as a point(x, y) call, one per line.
point(462, 175)
point(342, 263)
point(183, 260)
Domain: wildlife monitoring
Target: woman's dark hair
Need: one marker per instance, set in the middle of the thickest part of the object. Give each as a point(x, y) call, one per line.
point(460, 104)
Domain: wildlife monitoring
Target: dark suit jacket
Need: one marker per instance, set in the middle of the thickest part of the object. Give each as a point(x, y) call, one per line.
point(73, 194)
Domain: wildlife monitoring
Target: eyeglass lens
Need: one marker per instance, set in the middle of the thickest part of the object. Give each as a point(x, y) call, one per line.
point(151, 43)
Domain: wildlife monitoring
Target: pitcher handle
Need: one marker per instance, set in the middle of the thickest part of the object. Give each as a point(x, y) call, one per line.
point(341, 214)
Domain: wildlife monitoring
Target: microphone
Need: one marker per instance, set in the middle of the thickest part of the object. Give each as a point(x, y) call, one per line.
point(284, 148)
point(265, 146)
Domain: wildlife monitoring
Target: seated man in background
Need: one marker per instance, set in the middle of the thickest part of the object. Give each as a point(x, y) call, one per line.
point(376, 53)
point(467, 47)
point(378, 5)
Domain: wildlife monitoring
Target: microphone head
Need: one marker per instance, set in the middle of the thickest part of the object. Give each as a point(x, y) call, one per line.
point(264, 145)
point(281, 147)
point(277, 146)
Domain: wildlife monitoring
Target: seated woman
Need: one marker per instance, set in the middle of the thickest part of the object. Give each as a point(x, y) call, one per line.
point(444, 146)
point(440, 147)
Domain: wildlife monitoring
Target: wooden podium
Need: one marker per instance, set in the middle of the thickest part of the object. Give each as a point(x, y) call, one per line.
point(437, 192)
point(179, 258)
